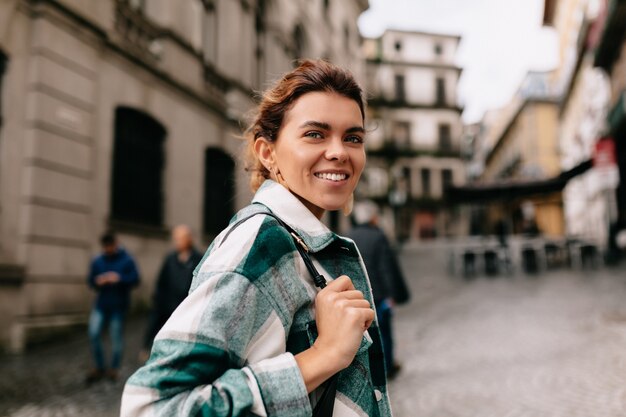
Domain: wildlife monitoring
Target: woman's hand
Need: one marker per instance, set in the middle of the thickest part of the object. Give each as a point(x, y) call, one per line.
point(342, 314)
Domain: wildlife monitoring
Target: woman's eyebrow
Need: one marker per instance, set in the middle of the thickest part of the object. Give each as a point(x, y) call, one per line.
point(355, 129)
point(318, 125)
point(327, 126)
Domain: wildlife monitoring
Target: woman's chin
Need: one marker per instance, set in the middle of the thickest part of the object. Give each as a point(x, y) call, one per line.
point(334, 206)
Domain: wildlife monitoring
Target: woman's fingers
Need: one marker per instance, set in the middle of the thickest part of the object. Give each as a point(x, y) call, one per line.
point(352, 295)
point(340, 284)
point(347, 303)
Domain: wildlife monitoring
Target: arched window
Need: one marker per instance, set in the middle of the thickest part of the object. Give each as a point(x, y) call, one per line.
point(219, 191)
point(138, 162)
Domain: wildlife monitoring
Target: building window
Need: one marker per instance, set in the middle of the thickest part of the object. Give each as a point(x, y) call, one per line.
point(398, 46)
point(326, 4)
point(401, 134)
point(259, 16)
point(209, 5)
point(399, 86)
point(425, 176)
point(259, 53)
point(406, 175)
point(219, 191)
point(3, 66)
point(440, 86)
point(209, 32)
point(138, 162)
point(298, 41)
point(445, 138)
point(446, 178)
point(438, 49)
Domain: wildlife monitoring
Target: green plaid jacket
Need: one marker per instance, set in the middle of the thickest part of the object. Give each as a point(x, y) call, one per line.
point(228, 350)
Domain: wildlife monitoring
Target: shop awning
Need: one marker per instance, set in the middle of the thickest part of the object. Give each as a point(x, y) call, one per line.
point(481, 193)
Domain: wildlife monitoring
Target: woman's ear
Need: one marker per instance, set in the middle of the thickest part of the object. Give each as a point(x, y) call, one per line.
point(264, 150)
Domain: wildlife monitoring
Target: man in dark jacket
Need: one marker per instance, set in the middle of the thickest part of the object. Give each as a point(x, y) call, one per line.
point(113, 274)
point(388, 286)
point(173, 282)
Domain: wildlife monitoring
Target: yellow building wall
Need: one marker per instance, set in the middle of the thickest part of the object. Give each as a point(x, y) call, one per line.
point(549, 215)
point(543, 148)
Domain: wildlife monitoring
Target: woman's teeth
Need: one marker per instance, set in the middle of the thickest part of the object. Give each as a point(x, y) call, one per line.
point(331, 177)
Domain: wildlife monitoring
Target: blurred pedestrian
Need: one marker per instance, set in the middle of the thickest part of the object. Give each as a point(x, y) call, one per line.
point(501, 230)
point(388, 285)
point(112, 275)
point(172, 284)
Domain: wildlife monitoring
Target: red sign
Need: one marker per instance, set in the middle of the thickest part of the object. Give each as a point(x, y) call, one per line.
point(604, 155)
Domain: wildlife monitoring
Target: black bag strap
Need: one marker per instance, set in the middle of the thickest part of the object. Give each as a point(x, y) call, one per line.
point(326, 403)
point(303, 249)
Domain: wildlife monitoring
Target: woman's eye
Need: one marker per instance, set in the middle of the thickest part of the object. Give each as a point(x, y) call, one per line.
point(314, 135)
point(354, 139)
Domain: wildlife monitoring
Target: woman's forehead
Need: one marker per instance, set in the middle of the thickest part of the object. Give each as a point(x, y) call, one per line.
point(330, 108)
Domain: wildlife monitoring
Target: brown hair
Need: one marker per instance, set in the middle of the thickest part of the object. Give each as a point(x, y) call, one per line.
point(310, 76)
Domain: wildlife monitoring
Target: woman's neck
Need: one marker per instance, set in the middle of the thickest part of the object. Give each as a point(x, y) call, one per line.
point(317, 211)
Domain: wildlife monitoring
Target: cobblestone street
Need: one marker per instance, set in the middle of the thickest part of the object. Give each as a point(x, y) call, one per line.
point(546, 346)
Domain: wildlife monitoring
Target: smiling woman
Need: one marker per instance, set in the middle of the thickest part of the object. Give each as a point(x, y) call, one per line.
point(319, 149)
point(256, 336)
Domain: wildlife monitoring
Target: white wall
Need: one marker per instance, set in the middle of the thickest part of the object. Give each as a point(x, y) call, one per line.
point(418, 47)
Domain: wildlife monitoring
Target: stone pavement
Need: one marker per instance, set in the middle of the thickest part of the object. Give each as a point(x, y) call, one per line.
point(546, 346)
point(48, 381)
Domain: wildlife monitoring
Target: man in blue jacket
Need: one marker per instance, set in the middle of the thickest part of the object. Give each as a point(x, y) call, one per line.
point(113, 275)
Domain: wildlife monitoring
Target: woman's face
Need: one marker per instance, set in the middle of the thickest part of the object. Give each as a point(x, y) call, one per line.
point(320, 151)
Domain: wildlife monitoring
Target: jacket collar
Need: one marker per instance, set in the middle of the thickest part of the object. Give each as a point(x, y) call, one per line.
point(293, 212)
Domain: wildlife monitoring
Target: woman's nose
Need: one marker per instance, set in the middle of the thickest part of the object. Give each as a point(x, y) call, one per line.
point(336, 150)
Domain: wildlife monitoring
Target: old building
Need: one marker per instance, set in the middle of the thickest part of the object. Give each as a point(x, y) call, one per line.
point(519, 144)
point(610, 56)
point(584, 92)
point(415, 123)
point(124, 114)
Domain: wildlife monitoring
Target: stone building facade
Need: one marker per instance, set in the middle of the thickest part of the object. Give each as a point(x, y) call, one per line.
point(124, 114)
point(416, 129)
point(519, 143)
point(610, 57)
point(584, 92)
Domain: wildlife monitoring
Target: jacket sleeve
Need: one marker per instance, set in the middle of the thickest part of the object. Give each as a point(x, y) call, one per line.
point(202, 363)
point(129, 275)
point(391, 272)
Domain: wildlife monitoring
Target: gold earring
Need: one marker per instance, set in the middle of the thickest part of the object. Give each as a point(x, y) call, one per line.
point(278, 177)
point(281, 179)
point(347, 208)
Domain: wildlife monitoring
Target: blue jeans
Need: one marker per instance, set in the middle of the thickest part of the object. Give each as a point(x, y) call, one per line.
point(97, 322)
point(384, 314)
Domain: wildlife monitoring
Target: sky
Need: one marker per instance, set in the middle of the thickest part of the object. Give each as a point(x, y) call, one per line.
point(501, 41)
